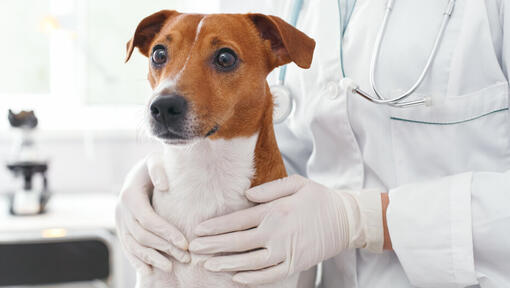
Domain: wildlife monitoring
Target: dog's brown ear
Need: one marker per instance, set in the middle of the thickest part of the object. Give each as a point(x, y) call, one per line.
point(287, 43)
point(146, 30)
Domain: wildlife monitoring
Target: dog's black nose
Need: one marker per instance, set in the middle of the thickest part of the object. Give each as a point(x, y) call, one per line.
point(168, 109)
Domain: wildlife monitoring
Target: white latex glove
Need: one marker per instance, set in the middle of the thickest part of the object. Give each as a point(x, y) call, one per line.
point(300, 224)
point(145, 236)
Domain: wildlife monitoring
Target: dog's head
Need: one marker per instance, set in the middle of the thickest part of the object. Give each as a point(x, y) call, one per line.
point(208, 72)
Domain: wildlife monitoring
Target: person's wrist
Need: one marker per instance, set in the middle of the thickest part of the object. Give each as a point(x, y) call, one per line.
point(385, 201)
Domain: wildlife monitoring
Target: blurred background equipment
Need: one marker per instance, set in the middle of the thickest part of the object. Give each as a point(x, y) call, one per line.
point(28, 165)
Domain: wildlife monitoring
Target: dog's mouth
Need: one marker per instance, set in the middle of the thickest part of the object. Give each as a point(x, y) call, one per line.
point(213, 131)
point(171, 137)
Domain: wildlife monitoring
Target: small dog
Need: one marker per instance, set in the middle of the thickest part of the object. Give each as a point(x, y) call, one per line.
point(212, 108)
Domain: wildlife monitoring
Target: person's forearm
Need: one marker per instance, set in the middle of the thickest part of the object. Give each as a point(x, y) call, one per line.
point(385, 201)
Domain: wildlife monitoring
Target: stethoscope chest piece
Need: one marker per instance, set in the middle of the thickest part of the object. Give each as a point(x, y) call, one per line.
point(283, 103)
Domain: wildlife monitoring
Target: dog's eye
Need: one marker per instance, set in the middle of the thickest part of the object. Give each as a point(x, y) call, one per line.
point(159, 55)
point(226, 59)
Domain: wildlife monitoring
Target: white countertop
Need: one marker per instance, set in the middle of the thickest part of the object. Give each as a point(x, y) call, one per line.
point(64, 211)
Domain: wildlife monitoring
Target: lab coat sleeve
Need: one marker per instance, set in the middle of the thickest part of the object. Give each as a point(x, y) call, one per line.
point(453, 231)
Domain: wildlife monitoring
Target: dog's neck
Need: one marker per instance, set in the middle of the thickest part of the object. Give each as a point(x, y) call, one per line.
point(268, 160)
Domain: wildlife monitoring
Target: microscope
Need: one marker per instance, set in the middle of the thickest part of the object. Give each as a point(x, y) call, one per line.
point(28, 167)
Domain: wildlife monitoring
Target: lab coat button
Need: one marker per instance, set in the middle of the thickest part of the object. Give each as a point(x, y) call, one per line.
point(332, 90)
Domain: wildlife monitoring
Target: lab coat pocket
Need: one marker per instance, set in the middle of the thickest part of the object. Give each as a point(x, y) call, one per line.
point(460, 134)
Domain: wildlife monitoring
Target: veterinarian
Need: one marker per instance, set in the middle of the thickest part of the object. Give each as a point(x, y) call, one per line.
point(414, 196)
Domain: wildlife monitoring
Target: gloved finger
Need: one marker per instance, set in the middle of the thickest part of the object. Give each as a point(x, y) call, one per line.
point(144, 213)
point(140, 266)
point(263, 276)
point(254, 260)
point(147, 255)
point(150, 240)
point(157, 172)
point(236, 221)
point(227, 243)
point(273, 190)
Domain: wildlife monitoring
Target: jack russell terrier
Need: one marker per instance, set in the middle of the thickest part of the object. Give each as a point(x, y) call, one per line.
point(213, 110)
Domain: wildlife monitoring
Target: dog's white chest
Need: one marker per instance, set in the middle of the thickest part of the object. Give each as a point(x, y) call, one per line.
point(206, 179)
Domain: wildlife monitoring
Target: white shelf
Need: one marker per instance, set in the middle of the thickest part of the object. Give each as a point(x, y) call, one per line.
point(67, 211)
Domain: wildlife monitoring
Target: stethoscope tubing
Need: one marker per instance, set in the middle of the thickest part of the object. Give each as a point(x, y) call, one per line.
point(396, 102)
point(379, 98)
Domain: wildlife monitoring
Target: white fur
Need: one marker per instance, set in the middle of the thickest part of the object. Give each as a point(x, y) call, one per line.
point(166, 86)
point(207, 178)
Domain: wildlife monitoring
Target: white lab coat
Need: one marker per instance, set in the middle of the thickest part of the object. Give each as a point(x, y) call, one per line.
point(446, 167)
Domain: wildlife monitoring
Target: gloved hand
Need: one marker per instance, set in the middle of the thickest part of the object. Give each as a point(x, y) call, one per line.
point(299, 224)
point(145, 236)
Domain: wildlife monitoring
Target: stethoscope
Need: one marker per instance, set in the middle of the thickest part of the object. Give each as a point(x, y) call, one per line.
point(283, 98)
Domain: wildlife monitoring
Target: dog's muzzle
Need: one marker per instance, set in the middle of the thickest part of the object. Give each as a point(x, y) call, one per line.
point(169, 113)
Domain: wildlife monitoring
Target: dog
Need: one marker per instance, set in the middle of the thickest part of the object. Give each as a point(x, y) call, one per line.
point(212, 109)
